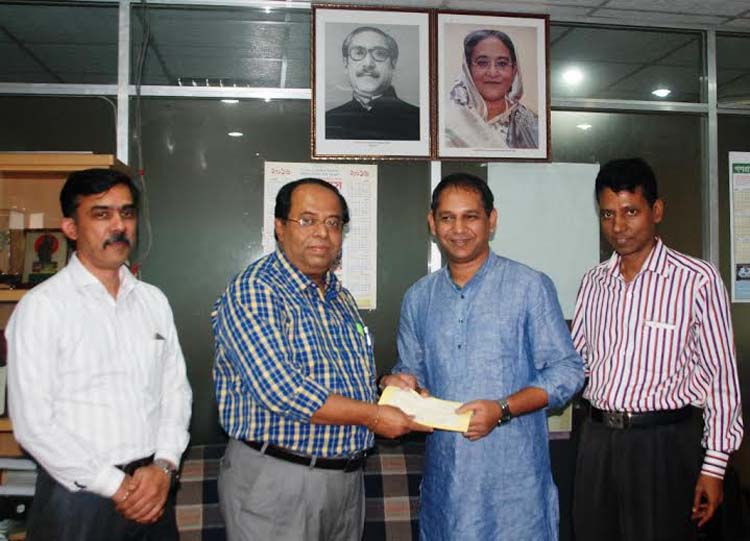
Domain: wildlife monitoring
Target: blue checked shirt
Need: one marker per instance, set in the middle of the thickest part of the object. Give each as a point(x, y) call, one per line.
point(282, 346)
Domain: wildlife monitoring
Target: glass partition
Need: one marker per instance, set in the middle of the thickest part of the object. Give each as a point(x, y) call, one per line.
point(205, 192)
point(204, 46)
point(733, 70)
point(58, 124)
point(625, 63)
point(47, 42)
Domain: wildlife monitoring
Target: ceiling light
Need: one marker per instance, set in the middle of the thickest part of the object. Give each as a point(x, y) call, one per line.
point(230, 101)
point(661, 92)
point(268, 10)
point(583, 127)
point(268, 99)
point(572, 76)
point(235, 134)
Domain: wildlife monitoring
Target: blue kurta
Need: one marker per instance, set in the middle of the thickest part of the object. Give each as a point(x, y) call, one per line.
point(501, 332)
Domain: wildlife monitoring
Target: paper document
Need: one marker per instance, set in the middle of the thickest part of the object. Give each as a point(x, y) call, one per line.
point(427, 411)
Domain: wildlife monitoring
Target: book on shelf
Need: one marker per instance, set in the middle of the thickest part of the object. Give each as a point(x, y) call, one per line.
point(8, 463)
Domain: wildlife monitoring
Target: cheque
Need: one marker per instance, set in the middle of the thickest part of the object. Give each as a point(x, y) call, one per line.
point(428, 411)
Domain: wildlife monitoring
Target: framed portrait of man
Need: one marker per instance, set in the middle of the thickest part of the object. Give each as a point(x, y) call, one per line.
point(493, 91)
point(371, 83)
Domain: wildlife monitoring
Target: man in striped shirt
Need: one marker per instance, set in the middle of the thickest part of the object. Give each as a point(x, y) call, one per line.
point(654, 329)
point(295, 383)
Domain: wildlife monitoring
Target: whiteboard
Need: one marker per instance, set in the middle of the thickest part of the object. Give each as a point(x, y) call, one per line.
point(547, 219)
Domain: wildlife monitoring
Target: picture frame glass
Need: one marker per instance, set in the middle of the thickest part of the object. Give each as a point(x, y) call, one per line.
point(45, 253)
point(371, 89)
point(493, 96)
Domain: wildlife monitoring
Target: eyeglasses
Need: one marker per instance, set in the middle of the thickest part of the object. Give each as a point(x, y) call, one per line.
point(501, 64)
point(332, 223)
point(379, 54)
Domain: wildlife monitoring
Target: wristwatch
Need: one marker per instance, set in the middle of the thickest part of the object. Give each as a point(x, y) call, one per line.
point(505, 413)
point(168, 470)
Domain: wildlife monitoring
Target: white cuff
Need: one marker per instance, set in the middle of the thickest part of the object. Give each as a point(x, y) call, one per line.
point(106, 482)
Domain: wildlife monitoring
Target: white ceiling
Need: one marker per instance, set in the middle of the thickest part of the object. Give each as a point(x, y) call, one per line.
point(717, 14)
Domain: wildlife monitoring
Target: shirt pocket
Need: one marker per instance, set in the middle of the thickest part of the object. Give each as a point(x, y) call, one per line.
point(658, 347)
point(150, 354)
point(659, 325)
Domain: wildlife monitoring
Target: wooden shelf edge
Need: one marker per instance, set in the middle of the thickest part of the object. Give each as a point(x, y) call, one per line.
point(12, 295)
point(21, 162)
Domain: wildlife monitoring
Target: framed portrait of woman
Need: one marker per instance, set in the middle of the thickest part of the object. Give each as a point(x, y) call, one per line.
point(493, 91)
point(371, 83)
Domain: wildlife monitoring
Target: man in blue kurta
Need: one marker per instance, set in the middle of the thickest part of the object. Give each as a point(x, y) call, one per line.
point(488, 332)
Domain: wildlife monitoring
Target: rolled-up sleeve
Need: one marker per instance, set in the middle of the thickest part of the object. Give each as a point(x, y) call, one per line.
point(409, 341)
point(251, 334)
point(559, 368)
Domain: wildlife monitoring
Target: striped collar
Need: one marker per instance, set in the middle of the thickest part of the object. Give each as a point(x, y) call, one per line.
point(656, 262)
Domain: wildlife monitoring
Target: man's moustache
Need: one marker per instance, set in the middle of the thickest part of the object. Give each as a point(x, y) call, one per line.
point(370, 73)
point(117, 237)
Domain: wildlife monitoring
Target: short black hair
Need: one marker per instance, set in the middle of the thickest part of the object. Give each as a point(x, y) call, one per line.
point(284, 197)
point(464, 181)
point(628, 174)
point(390, 42)
point(472, 39)
point(89, 182)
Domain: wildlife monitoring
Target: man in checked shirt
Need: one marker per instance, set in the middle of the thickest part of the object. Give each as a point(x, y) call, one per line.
point(654, 329)
point(295, 383)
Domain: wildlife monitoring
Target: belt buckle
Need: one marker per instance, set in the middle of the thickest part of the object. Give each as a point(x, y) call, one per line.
point(352, 462)
point(617, 419)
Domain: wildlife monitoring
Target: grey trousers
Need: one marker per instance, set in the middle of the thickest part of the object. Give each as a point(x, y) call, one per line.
point(266, 499)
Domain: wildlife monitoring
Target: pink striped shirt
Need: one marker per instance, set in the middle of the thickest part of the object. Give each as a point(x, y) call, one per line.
point(662, 342)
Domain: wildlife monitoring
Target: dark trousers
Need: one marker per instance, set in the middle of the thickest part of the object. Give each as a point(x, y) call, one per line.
point(637, 484)
point(57, 514)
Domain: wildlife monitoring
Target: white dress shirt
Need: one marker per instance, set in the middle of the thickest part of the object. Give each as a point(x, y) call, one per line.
point(95, 381)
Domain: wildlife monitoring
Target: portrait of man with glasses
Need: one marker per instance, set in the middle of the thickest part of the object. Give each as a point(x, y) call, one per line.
point(375, 112)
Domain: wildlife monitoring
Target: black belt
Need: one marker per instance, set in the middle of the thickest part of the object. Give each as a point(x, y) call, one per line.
point(130, 467)
point(627, 419)
point(352, 463)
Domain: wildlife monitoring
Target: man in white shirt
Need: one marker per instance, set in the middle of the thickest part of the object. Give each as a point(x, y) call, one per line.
point(97, 387)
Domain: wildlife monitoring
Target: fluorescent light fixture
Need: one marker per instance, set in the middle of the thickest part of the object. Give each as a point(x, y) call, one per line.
point(661, 92)
point(267, 99)
point(267, 9)
point(583, 127)
point(235, 134)
point(230, 101)
point(572, 76)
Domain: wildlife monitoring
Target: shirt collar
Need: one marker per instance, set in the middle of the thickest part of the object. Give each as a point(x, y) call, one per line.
point(491, 257)
point(300, 281)
point(83, 278)
point(368, 102)
point(656, 261)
